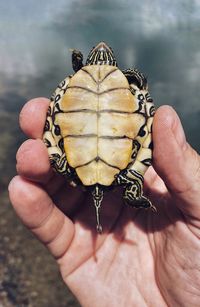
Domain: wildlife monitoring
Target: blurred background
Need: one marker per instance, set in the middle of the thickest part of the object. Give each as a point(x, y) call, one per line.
point(159, 38)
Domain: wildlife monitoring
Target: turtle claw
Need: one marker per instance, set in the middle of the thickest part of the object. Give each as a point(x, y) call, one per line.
point(141, 202)
point(153, 208)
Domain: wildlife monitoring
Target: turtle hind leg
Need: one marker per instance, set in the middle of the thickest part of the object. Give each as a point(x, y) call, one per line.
point(133, 196)
point(133, 189)
point(97, 194)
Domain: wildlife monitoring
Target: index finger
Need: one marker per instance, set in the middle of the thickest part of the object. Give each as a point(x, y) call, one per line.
point(33, 116)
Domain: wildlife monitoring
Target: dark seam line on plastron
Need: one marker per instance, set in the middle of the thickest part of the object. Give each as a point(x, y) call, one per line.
point(117, 137)
point(101, 93)
point(87, 72)
point(108, 74)
point(101, 111)
point(99, 159)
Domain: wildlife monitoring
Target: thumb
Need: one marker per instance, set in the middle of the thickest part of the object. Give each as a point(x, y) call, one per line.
point(176, 162)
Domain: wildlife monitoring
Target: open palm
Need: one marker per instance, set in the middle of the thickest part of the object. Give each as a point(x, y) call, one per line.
point(142, 258)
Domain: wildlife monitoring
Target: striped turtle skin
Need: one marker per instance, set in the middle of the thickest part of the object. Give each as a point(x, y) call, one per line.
point(98, 128)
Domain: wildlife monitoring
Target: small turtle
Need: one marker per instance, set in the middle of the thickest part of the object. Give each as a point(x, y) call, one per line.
point(99, 128)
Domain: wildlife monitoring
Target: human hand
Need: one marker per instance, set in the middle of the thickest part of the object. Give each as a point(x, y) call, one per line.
point(142, 258)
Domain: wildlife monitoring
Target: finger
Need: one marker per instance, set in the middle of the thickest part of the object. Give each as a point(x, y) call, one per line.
point(33, 161)
point(37, 211)
point(175, 161)
point(32, 117)
point(153, 183)
point(33, 164)
point(155, 188)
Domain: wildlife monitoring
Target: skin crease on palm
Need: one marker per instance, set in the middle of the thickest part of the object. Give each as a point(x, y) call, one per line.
point(142, 258)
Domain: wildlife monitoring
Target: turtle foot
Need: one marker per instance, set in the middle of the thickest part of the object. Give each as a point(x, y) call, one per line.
point(141, 202)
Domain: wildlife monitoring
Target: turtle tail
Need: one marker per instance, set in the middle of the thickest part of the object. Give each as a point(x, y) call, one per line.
point(97, 194)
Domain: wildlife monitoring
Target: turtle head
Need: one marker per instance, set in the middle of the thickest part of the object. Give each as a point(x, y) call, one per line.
point(101, 55)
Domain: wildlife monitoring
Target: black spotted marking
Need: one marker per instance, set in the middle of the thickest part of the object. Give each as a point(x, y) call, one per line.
point(148, 98)
point(146, 162)
point(53, 97)
point(62, 84)
point(141, 97)
point(61, 144)
point(151, 145)
point(57, 109)
point(140, 102)
point(49, 111)
point(57, 98)
point(136, 144)
point(56, 130)
point(151, 129)
point(152, 111)
point(142, 132)
point(47, 143)
point(135, 148)
point(53, 117)
point(47, 125)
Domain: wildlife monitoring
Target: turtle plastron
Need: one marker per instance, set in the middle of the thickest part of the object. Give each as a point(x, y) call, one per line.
point(98, 128)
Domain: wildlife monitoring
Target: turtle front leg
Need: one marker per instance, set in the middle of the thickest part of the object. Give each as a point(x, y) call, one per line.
point(135, 77)
point(77, 60)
